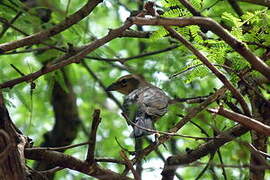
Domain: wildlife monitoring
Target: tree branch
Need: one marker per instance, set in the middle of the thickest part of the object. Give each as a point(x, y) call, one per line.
point(236, 7)
point(130, 166)
point(187, 5)
point(43, 35)
point(92, 136)
point(123, 60)
point(244, 120)
point(204, 60)
point(136, 34)
point(66, 161)
point(211, 146)
point(216, 28)
point(5, 28)
point(61, 148)
point(109, 94)
point(191, 114)
point(73, 59)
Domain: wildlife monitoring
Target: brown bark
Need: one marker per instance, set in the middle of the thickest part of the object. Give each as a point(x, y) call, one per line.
point(12, 160)
point(261, 111)
point(211, 146)
point(66, 161)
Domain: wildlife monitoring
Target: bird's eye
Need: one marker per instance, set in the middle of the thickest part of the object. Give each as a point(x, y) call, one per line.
point(123, 82)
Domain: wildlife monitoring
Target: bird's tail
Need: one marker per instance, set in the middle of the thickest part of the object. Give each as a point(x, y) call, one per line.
point(142, 123)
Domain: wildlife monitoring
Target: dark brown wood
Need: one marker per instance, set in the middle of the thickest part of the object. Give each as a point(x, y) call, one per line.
point(12, 164)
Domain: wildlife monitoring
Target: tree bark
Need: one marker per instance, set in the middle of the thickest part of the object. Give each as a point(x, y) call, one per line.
point(261, 112)
point(12, 166)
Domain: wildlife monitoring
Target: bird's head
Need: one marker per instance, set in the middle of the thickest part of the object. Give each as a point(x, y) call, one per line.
point(127, 84)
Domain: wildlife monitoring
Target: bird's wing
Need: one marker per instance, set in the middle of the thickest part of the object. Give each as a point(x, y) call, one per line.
point(143, 106)
point(154, 101)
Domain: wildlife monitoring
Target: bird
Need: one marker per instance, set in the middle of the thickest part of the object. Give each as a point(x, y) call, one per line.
point(143, 104)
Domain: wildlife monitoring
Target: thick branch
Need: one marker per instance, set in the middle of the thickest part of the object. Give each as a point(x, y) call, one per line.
point(237, 45)
point(236, 7)
point(73, 59)
point(12, 164)
point(67, 161)
point(244, 120)
point(136, 34)
point(43, 35)
point(211, 146)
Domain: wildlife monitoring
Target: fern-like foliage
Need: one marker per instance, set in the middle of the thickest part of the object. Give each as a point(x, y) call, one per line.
point(253, 26)
point(160, 33)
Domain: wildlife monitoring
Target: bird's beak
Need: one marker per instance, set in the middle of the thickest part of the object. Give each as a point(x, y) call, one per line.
point(112, 87)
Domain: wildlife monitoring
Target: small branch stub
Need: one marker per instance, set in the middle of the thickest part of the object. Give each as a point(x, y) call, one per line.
point(92, 136)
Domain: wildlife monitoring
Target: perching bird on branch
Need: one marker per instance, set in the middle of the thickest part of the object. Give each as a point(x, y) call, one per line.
point(143, 105)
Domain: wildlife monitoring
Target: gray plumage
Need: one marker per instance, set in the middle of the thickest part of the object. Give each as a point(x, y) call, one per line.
point(143, 103)
point(144, 106)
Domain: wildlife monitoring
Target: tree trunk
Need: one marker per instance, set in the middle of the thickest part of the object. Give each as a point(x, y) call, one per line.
point(12, 162)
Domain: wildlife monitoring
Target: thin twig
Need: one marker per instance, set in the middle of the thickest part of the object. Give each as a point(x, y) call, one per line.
point(221, 161)
point(166, 133)
point(95, 77)
point(191, 113)
point(51, 171)
point(205, 61)
point(59, 148)
point(130, 166)
point(231, 165)
point(4, 21)
point(26, 51)
point(206, 167)
point(45, 34)
point(199, 127)
point(123, 60)
point(123, 148)
point(254, 150)
point(17, 70)
point(92, 136)
point(5, 28)
point(72, 59)
point(190, 100)
point(197, 65)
